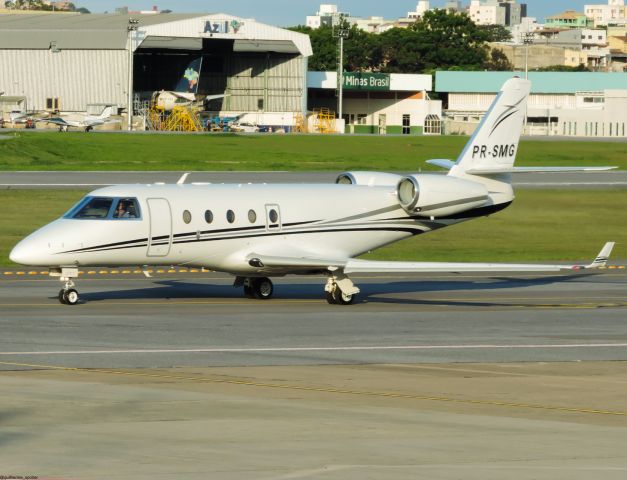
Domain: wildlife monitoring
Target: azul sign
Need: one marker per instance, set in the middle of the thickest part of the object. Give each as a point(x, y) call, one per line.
point(366, 81)
point(222, 26)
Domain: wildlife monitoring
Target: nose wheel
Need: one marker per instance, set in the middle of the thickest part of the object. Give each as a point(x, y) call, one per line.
point(69, 296)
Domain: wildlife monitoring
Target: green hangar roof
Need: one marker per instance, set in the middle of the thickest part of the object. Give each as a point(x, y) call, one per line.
point(541, 82)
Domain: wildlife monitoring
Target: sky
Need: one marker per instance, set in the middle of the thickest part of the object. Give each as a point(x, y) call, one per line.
point(285, 13)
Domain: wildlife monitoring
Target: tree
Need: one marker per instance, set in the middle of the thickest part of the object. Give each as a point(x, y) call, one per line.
point(495, 33)
point(564, 68)
point(324, 47)
point(400, 51)
point(498, 61)
point(448, 40)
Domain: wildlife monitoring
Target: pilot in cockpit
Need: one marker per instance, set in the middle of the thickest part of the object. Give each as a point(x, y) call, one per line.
point(123, 210)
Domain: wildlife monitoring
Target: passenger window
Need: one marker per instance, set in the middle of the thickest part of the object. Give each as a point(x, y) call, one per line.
point(126, 208)
point(93, 207)
point(187, 216)
point(252, 216)
point(208, 216)
point(230, 216)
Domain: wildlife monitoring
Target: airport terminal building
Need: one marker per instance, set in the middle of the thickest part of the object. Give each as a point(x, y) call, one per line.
point(79, 63)
point(578, 104)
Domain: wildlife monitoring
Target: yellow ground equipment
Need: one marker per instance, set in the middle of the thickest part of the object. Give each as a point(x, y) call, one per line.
point(324, 120)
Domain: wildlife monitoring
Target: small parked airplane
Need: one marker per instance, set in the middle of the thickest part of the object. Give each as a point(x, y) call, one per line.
point(259, 231)
point(185, 93)
point(79, 120)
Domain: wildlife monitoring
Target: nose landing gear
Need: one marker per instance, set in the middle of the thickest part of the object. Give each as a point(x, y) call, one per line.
point(68, 295)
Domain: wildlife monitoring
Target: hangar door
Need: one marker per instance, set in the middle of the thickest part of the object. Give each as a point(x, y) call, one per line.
point(160, 237)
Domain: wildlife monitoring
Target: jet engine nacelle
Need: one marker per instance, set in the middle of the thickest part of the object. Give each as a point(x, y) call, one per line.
point(371, 179)
point(439, 195)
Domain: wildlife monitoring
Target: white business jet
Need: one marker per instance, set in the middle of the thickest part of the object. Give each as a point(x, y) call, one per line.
point(260, 231)
point(79, 120)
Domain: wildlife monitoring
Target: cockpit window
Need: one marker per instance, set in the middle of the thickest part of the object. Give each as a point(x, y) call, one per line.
point(126, 208)
point(91, 207)
point(114, 208)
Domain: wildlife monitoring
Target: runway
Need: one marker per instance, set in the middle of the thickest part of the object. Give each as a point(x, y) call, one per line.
point(447, 376)
point(128, 321)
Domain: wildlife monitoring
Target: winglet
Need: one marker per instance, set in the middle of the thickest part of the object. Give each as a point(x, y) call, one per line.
point(603, 256)
point(181, 180)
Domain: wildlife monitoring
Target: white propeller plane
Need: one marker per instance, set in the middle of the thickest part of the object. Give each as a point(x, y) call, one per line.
point(79, 120)
point(260, 231)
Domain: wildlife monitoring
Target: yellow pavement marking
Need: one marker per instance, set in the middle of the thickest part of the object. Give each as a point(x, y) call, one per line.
point(331, 390)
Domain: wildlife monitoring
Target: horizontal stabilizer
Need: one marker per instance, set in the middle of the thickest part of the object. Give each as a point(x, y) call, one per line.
point(442, 162)
point(498, 170)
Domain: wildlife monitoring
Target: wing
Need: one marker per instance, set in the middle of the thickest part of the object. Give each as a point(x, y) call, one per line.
point(308, 263)
point(57, 121)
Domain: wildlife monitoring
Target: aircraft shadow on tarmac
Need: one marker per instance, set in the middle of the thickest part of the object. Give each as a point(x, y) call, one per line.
point(371, 292)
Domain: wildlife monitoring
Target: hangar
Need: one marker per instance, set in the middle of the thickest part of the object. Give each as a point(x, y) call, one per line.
point(79, 63)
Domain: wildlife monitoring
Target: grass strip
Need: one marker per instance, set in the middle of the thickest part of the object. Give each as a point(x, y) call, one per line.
point(229, 152)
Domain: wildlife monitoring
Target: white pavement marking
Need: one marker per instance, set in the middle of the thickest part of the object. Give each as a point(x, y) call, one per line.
point(569, 184)
point(314, 349)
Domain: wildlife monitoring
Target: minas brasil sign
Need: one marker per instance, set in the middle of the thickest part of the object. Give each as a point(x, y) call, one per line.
point(366, 81)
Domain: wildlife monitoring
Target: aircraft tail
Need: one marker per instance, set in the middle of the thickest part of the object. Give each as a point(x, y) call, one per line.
point(493, 146)
point(188, 83)
point(106, 113)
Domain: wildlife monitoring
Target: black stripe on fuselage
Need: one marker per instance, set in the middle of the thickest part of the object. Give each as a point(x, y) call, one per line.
point(474, 213)
point(411, 231)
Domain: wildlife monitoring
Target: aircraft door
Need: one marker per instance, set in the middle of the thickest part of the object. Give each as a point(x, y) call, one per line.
point(160, 237)
point(273, 218)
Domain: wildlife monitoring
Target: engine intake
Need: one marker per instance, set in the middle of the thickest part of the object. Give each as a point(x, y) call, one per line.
point(371, 179)
point(439, 195)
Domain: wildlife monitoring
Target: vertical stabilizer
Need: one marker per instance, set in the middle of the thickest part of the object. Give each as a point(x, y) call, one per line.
point(188, 83)
point(495, 142)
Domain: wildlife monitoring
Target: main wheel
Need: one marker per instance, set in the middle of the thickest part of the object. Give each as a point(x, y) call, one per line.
point(262, 288)
point(330, 298)
point(71, 297)
point(341, 298)
point(248, 291)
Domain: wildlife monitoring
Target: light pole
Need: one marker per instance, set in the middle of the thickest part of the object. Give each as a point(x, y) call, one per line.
point(527, 40)
point(131, 28)
point(341, 33)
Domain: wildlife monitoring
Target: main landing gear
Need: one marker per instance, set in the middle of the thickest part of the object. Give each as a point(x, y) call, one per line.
point(340, 290)
point(68, 295)
point(255, 287)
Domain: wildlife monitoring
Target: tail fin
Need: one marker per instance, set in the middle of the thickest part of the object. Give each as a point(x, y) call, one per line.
point(188, 83)
point(603, 256)
point(106, 113)
point(494, 144)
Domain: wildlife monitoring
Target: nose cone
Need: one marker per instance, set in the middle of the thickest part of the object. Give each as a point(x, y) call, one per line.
point(23, 253)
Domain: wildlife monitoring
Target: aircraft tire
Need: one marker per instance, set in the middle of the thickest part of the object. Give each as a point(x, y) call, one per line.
point(248, 291)
point(262, 288)
point(71, 297)
point(62, 297)
point(341, 298)
point(330, 298)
